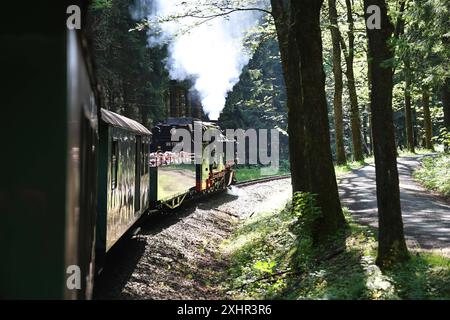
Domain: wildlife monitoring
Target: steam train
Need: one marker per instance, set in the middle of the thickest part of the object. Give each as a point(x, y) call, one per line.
point(77, 177)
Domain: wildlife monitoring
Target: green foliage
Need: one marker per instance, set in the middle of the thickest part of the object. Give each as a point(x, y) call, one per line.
point(306, 212)
point(443, 138)
point(435, 173)
point(203, 11)
point(258, 100)
point(425, 276)
point(423, 51)
point(101, 4)
point(424, 42)
point(260, 254)
point(270, 248)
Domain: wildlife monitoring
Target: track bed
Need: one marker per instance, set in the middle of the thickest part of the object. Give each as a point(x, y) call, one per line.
point(177, 256)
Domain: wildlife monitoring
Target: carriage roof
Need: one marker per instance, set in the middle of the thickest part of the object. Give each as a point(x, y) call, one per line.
point(117, 120)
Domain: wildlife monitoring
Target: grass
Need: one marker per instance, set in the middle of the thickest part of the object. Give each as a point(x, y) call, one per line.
point(244, 173)
point(349, 166)
point(269, 261)
point(418, 151)
point(435, 173)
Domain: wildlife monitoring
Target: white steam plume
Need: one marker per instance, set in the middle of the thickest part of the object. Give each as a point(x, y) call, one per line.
point(212, 53)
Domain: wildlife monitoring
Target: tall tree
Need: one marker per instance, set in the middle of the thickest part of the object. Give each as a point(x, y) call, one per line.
point(406, 58)
point(369, 87)
point(428, 125)
point(349, 54)
point(338, 83)
point(391, 246)
point(322, 178)
point(446, 103)
point(298, 29)
point(291, 63)
point(408, 110)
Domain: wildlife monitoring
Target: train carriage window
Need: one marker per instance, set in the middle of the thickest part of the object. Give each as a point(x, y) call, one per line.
point(114, 163)
point(144, 161)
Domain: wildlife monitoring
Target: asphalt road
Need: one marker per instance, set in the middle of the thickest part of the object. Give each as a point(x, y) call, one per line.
point(426, 216)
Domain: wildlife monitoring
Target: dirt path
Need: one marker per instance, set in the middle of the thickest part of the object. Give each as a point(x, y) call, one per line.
point(177, 256)
point(426, 216)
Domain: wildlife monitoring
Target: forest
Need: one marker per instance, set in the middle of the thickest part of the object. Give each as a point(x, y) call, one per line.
point(348, 84)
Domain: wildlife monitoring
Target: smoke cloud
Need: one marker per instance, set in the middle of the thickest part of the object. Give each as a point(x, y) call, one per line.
point(211, 53)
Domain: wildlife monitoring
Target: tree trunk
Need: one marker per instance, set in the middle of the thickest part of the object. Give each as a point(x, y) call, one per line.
point(391, 241)
point(322, 179)
point(446, 103)
point(427, 118)
point(354, 108)
point(369, 86)
point(446, 107)
point(309, 141)
point(338, 84)
point(408, 112)
point(291, 71)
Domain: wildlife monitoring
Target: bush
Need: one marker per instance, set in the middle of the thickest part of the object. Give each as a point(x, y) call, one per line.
point(443, 138)
point(435, 173)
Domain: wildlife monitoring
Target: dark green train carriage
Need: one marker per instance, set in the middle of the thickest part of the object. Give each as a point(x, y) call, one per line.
point(124, 178)
point(50, 139)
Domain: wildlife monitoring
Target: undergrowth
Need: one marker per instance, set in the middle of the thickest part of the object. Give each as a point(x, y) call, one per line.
point(349, 166)
point(435, 173)
point(417, 151)
point(272, 257)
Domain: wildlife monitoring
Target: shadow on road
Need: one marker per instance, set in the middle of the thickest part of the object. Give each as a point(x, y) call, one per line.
point(426, 216)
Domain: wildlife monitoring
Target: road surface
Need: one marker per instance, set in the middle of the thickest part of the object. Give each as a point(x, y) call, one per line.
point(426, 216)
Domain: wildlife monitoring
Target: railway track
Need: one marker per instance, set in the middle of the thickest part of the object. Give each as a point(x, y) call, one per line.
point(261, 180)
point(137, 227)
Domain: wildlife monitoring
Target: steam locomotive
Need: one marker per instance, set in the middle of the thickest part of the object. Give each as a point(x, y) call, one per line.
point(77, 177)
